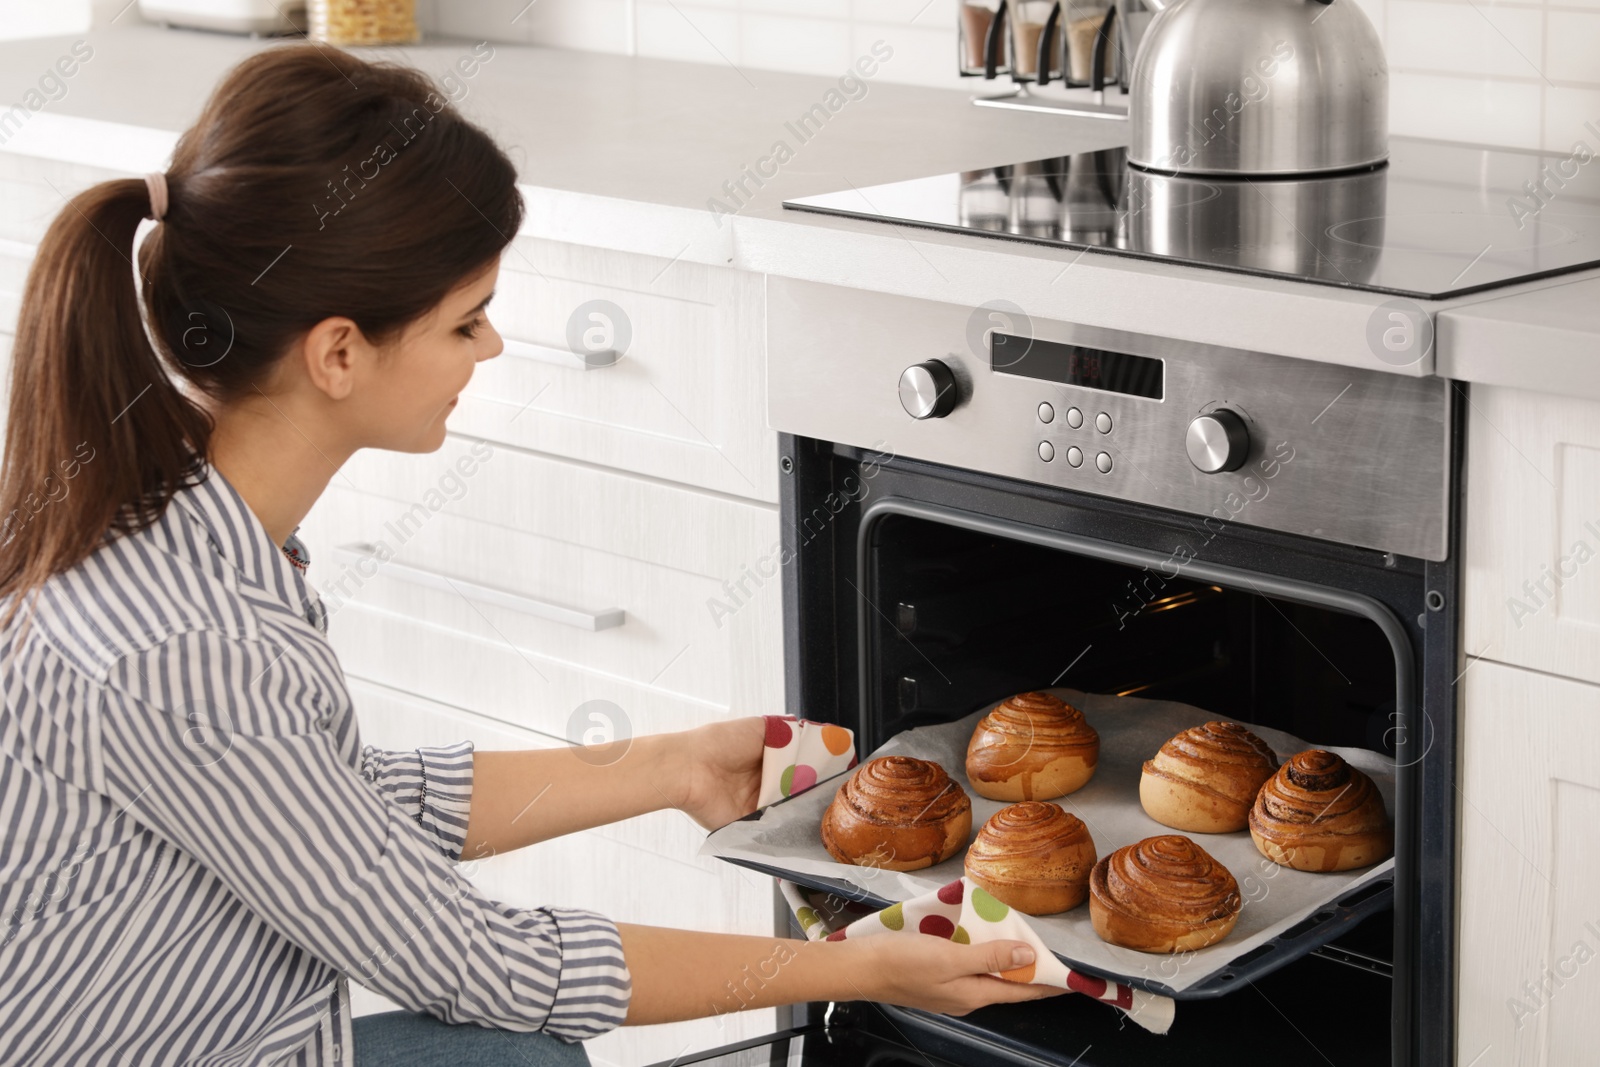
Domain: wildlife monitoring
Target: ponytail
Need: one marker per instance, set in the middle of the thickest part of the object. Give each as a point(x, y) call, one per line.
point(99, 435)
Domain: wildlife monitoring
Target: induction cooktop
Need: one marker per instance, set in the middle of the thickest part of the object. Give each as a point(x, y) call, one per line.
point(1436, 220)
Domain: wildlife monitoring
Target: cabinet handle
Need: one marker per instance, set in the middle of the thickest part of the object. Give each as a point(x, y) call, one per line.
point(561, 357)
point(486, 594)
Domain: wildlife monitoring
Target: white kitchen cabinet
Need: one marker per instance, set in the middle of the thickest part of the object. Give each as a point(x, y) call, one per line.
point(1532, 570)
point(605, 509)
point(684, 402)
point(640, 871)
point(1529, 977)
point(686, 398)
point(34, 190)
point(653, 625)
point(561, 533)
point(15, 259)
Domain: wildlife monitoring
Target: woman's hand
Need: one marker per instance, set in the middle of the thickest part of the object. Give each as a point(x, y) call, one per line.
point(936, 974)
point(683, 974)
point(721, 775)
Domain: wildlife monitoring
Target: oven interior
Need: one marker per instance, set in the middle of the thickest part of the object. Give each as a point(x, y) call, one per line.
point(966, 617)
point(962, 617)
point(952, 617)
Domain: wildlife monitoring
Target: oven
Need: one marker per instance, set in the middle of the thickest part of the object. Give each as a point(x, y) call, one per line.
point(1267, 539)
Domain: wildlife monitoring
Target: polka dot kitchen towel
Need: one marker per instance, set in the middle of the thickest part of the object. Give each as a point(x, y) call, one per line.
point(800, 753)
point(961, 911)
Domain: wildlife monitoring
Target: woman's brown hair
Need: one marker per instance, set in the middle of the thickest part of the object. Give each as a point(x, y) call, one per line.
point(314, 184)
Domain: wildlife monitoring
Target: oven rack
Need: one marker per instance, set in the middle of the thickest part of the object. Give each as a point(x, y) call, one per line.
point(1299, 940)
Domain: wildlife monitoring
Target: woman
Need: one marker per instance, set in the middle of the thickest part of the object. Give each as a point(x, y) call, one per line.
point(197, 854)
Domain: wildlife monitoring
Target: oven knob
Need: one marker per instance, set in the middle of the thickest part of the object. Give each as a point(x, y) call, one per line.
point(1217, 441)
point(928, 390)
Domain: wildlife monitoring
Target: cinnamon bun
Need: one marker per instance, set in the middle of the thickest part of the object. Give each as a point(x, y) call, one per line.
point(1163, 894)
point(1205, 779)
point(899, 813)
point(1032, 746)
point(1318, 813)
point(1033, 856)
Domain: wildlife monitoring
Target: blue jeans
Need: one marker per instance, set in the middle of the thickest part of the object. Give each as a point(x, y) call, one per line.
point(407, 1039)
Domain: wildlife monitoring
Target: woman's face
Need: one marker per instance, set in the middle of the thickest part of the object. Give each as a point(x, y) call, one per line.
point(421, 374)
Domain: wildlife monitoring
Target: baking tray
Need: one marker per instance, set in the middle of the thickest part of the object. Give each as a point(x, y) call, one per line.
point(1127, 726)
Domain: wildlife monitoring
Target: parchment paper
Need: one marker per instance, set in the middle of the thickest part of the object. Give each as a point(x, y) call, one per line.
point(788, 836)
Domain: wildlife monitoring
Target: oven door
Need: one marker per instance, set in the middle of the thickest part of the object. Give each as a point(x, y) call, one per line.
point(833, 1044)
point(1291, 1016)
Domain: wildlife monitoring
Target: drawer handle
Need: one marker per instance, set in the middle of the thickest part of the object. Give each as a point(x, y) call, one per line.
point(485, 594)
point(561, 357)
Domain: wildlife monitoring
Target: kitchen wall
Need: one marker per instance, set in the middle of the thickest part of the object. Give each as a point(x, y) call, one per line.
point(1525, 74)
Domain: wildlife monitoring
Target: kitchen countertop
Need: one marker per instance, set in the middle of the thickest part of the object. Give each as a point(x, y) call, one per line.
point(1546, 340)
point(625, 153)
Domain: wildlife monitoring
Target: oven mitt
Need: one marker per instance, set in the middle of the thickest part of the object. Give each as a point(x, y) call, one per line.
point(800, 753)
point(964, 912)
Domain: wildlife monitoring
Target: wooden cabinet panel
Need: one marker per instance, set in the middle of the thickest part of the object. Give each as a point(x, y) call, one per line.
point(684, 400)
point(1530, 876)
point(634, 871)
point(1532, 583)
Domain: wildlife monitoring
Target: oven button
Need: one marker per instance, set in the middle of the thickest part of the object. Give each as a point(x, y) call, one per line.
point(928, 390)
point(1217, 441)
point(1046, 413)
point(1075, 456)
point(1047, 451)
point(1102, 422)
point(1103, 461)
point(1074, 418)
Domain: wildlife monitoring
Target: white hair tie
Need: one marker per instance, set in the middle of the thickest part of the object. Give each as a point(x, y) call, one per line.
point(156, 183)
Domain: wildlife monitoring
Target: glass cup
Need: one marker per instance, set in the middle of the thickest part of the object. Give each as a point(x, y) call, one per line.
point(1083, 21)
point(981, 19)
point(1035, 40)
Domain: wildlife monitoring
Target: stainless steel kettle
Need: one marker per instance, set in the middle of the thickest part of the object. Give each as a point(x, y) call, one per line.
point(1259, 87)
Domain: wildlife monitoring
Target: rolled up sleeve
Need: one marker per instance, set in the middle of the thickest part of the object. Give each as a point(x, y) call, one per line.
point(589, 944)
point(433, 785)
point(273, 807)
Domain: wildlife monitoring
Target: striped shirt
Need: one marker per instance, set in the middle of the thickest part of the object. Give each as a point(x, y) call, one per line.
point(197, 852)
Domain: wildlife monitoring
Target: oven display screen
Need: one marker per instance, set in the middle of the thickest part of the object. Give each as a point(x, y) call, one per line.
point(1094, 368)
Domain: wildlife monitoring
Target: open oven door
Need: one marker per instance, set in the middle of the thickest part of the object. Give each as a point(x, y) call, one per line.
point(837, 1043)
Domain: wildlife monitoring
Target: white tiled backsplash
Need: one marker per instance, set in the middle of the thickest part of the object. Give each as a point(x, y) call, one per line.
point(1525, 74)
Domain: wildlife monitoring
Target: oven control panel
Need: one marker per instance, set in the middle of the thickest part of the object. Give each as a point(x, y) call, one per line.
point(1086, 447)
point(1348, 454)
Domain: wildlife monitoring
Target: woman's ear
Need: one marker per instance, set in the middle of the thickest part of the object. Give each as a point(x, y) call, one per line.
point(331, 351)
